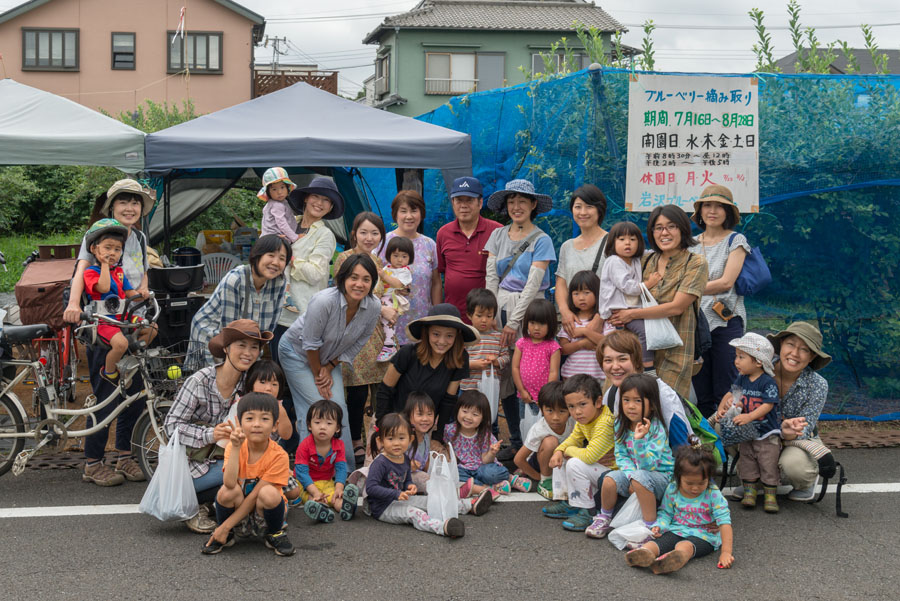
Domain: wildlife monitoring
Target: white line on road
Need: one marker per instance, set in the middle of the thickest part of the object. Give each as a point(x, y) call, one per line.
point(75, 510)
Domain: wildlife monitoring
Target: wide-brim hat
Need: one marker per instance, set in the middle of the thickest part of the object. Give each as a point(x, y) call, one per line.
point(148, 197)
point(273, 176)
point(523, 187)
point(104, 226)
point(240, 329)
point(757, 347)
point(323, 186)
point(719, 194)
point(446, 315)
point(809, 334)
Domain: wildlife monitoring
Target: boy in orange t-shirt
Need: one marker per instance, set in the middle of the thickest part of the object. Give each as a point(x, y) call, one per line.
point(256, 468)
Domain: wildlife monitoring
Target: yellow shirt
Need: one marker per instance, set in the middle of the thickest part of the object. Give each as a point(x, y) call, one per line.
point(600, 440)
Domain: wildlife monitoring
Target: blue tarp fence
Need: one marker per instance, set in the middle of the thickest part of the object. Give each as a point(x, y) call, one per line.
point(829, 225)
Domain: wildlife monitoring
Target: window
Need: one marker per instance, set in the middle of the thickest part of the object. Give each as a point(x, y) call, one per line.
point(382, 75)
point(447, 73)
point(490, 69)
point(49, 49)
point(201, 52)
point(582, 61)
point(123, 51)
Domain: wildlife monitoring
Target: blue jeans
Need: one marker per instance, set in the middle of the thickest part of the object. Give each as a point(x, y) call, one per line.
point(487, 474)
point(212, 478)
point(304, 393)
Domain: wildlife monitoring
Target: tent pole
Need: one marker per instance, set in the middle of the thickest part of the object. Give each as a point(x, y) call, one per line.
point(166, 216)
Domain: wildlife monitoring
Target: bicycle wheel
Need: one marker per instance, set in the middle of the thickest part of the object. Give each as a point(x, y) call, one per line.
point(145, 442)
point(10, 422)
point(50, 352)
point(70, 367)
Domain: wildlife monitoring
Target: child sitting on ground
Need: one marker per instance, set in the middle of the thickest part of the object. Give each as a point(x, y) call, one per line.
point(106, 239)
point(277, 216)
point(419, 412)
point(642, 454)
point(581, 348)
point(620, 280)
point(481, 309)
point(321, 465)
point(690, 505)
point(390, 493)
point(397, 277)
point(585, 455)
point(554, 427)
point(756, 430)
point(255, 471)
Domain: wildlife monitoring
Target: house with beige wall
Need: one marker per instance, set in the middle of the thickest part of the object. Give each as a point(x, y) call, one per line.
point(114, 54)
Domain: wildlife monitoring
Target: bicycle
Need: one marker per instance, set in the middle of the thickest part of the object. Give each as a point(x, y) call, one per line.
point(54, 424)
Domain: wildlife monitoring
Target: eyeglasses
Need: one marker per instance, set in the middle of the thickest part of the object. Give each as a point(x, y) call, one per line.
point(665, 228)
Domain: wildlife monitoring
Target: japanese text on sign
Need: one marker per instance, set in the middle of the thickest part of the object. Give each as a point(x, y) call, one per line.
point(688, 132)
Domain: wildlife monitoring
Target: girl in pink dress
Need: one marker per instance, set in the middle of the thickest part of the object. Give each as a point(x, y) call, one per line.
point(537, 356)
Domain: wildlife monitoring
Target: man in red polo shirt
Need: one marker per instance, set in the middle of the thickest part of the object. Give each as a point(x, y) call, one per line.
point(460, 244)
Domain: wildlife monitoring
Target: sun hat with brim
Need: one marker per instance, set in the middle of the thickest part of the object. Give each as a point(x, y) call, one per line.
point(719, 194)
point(523, 187)
point(809, 334)
point(104, 226)
point(323, 186)
point(446, 315)
point(240, 329)
point(273, 176)
point(757, 347)
point(129, 186)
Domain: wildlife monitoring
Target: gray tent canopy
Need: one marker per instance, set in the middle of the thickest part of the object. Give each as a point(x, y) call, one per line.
point(300, 128)
point(40, 128)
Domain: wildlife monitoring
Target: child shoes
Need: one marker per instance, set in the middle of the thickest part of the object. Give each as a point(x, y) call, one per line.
point(348, 507)
point(600, 527)
point(521, 483)
point(319, 512)
point(503, 487)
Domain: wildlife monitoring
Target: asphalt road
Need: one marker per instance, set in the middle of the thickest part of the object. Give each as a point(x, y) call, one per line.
point(804, 552)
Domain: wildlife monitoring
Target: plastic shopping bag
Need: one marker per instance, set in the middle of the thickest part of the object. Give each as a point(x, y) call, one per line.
point(532, 415)
point(490, 387)
point(635, 532)
point(560, 493)
point(443, 486)
point(660, 333)
point(629, 512)
point(170, 496)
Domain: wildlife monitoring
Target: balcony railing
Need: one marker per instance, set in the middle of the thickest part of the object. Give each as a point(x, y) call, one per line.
point(440, 85)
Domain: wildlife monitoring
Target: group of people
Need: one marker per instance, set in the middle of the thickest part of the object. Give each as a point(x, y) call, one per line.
point(414, 327)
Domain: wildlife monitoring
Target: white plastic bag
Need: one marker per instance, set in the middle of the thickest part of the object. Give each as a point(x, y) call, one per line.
point(490, 387)
point(170, 496)
point(560, 493)
point(532, 416)
point(443, 486)
point(635, 532)
point(628, 512)
point(660, 333)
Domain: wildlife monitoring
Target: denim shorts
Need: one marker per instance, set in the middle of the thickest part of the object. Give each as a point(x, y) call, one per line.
point(653, 481)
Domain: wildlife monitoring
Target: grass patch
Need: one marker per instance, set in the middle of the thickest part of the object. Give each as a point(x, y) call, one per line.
point(17, 248)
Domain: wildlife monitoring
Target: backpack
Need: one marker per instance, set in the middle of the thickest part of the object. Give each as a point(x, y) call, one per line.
point(755, 274)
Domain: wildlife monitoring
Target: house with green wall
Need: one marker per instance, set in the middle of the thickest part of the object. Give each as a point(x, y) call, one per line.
point(443, 48)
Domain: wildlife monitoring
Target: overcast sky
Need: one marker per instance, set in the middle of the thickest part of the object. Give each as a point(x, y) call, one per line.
point(330, 33)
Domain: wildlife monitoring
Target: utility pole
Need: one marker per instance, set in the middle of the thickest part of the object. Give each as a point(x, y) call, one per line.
point(276, 49)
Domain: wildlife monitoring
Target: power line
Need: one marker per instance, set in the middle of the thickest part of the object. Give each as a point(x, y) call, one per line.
point(753, 27)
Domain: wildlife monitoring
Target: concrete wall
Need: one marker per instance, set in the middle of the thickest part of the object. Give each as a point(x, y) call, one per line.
point(409, 47)
point(98, 86)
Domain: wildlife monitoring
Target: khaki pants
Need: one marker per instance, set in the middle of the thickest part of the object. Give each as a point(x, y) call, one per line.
point(759, 460)
point(798, 467)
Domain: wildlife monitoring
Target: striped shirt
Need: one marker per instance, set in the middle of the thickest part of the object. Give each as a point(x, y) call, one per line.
point(488, 346)
point(600, 441)
point(583, 361)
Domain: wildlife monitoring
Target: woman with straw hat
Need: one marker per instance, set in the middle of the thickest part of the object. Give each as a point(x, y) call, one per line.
point(725, 251)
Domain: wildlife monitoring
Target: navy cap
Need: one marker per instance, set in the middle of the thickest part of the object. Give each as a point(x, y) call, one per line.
point(466, 186)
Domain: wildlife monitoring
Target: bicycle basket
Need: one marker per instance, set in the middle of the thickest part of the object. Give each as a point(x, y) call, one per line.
point(166, 366)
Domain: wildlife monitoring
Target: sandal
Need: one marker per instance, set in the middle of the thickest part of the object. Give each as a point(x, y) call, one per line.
point(359, 454)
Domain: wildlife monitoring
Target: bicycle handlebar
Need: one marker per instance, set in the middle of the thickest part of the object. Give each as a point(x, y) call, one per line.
point(89, 315)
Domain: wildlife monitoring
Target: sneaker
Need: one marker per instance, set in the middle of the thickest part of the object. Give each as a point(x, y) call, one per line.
point(600, 527)
point(804, 495)
point(280, 543)
point(386, 353)
point(454, 528)
point(670, 562)
point(348, 507)
point(502, 487)
point(737, 492)
point(770, 502)
point(212, 546)
point(640, 558)
point(545, 492)
point(559, 510)
point(521, 483)
point(579, 521)
point(102, 475)
point(482, 502)
point(750, 492)
point(466, 489)
point(201, 523)
point(319, 512)
point(129, 468)
point(507, 454)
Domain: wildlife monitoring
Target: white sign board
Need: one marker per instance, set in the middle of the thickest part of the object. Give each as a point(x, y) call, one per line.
point(687, 132)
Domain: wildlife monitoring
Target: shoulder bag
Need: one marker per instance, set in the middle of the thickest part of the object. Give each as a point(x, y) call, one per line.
point(523, 246)
point(755, 274)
